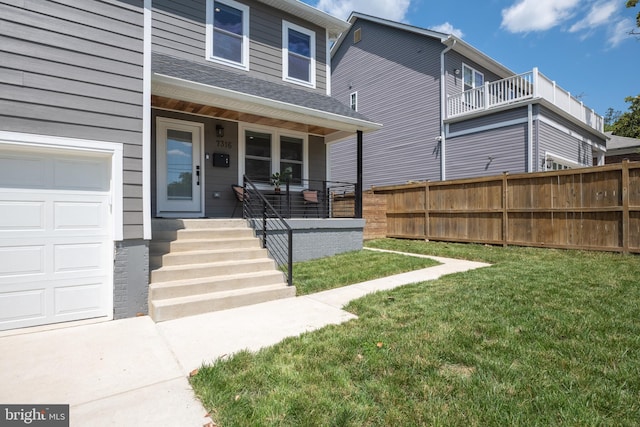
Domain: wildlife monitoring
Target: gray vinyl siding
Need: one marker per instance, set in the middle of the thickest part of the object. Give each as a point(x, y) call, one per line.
point(487, 153)
point(74, 69)
point(559, 142)
point(317, 161)
point(396, 75)
point(179, 29)
point(490, 120)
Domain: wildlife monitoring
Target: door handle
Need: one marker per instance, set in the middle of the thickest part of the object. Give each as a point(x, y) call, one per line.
point(198, 175)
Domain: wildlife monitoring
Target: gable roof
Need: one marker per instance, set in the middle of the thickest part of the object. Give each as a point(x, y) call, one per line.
point(198, 82)
point(448, 40)
point(309, 13)
point(620, 142)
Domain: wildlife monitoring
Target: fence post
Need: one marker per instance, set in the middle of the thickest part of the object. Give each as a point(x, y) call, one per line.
point(426, 211)
point(505, 214)
point(625, 207)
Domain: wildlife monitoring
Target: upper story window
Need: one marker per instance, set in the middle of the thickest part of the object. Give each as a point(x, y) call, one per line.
point(353, 101)
point(298, 54)
point(228, 33)
point(471, 77)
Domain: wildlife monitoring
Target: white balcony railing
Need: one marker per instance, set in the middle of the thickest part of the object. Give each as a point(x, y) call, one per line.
point(515, 89)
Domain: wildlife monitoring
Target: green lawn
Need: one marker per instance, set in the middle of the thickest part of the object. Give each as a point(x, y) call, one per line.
point(351, 267)
point(542, 338)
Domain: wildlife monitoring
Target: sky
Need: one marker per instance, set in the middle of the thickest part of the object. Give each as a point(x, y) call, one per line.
point(584, 45)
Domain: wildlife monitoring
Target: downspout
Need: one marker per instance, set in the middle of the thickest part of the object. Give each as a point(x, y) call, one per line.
point(530, 138)
point(443, 112)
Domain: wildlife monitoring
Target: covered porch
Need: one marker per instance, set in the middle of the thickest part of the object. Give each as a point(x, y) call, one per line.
point(247, 127)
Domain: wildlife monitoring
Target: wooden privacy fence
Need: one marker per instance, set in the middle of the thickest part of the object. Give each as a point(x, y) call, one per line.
point(594, 208)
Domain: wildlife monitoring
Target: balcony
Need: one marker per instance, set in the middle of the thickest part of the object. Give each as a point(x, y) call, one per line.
point(517, 89)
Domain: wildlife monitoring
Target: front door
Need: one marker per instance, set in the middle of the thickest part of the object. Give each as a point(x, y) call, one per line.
point(180, 179)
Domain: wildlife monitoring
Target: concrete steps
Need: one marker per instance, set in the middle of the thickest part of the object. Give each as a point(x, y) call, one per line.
point(204, 265)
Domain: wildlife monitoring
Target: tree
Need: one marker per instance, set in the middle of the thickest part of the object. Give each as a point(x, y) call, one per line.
point(628, 124)
point(633, 3)
point(610, 117)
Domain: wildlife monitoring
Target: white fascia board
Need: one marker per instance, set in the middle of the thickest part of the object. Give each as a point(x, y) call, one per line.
point(173, 87)
point(334, 26)
point(470, 52)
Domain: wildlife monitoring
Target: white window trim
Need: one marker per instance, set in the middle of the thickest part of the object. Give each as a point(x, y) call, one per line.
point(275, 133)
point(285, 54)
point(245, 35)
point(560, 160)
point(352, 96)
point(473, 71)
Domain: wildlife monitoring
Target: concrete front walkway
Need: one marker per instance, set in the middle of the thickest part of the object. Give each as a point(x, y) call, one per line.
point(133, 372)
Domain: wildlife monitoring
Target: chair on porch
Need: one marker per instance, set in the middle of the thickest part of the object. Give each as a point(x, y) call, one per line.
point(310, 198)
point(238, 191)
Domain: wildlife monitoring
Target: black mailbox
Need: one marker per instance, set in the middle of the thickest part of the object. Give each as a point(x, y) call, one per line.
point(220, 160)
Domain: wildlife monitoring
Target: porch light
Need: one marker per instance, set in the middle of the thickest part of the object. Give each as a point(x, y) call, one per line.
point(219, 131)
point(456, 71)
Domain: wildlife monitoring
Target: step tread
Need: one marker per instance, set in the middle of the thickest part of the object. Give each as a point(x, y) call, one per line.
point(203, 280)
point(218, 295)
point(207, 252)
point(217, 239)
point(214, 264)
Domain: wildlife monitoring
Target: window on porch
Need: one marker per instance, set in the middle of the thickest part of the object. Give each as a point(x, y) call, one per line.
point(269, 152)
point(471, 77)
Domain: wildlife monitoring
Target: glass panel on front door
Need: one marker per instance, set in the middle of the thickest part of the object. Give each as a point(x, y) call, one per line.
point(179, 165)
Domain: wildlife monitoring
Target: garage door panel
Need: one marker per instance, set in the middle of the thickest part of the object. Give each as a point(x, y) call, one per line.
point(22, 260)
point(20, 215)
point(23, 306)
point(22, 172)
point(79, 215)
point(79, 257)
point(84, 298)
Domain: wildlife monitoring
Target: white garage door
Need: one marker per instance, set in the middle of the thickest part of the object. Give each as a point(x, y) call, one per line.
point(56, 250)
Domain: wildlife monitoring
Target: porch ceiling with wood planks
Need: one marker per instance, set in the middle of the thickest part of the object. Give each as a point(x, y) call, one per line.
point(165, 103)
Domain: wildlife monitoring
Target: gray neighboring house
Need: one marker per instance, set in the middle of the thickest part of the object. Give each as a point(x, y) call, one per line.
point(109, 108)
point(450, 111)
point(621, 148)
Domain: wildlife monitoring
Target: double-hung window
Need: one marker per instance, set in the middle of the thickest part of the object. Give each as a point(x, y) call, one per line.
point(267, 152)
point(228, 33)
point(353, 101)
point(298, 54)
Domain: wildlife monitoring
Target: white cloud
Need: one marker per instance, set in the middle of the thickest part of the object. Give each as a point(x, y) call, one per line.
point(447, 28)
point(600, 14)
point(395, 10)
point(537, 15)
point(620, 31)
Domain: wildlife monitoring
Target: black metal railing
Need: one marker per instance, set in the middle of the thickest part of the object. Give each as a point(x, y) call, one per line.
point(310, 198)
point(275, 234)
